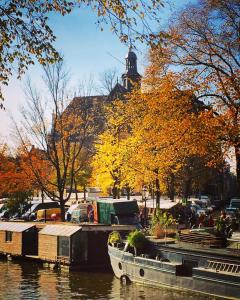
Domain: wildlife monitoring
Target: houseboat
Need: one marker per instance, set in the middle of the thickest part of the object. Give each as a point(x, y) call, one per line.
point(184, 266)
point(60, 243)
point(18, 239)
point(78, 247)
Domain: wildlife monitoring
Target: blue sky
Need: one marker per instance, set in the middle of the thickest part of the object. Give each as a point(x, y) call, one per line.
point(86, 51)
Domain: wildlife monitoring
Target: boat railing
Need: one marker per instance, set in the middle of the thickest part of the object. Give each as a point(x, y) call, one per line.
point(223, 267)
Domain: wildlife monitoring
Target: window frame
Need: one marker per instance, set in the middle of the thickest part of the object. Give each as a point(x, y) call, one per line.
point(8, 236)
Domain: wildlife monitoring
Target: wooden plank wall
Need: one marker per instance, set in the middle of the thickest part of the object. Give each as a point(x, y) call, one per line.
point(47, 247)
point(13, 247)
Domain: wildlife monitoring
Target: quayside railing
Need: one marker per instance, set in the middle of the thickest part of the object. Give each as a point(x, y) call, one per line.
point(223, 267)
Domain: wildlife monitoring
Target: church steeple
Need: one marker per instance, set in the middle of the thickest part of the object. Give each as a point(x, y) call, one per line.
point(131, 74)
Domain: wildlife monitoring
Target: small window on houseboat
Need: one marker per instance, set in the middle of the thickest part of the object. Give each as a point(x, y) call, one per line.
point(8, 237)
point(141, 272)
point(63, 246)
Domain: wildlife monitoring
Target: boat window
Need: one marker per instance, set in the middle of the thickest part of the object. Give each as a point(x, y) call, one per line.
point(120, 266)
point(8, 237)
point(141, 272)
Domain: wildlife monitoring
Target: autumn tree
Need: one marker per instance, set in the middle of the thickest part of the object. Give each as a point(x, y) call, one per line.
point(154, 136)
point(203, 42)
point(26, 35)
point(65, 143)
point(113, 151)
point(170, 126)
point(195, 177)
point(16, 183)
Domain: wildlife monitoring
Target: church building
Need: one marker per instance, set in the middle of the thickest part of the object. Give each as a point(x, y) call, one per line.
point(95, 104)
point(129, 78)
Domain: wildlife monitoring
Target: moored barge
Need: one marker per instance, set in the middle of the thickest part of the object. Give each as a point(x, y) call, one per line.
point(204, 270)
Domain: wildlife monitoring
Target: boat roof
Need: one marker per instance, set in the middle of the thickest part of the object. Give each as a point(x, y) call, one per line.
point(223, 253)
point(15, 226)
point(116, 200)
point(60, 230)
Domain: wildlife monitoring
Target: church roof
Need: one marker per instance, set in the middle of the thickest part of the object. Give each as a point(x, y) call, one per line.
point(117, 91)
point(131, 55)
point(88, 100)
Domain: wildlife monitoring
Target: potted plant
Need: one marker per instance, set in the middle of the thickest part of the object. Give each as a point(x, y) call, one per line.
point(114, 238)
point(160, 223)
point(137, 240)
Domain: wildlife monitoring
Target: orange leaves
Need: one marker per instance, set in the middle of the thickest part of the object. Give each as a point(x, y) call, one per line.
point(12, 176)
point(170, 125)
point(20, 173)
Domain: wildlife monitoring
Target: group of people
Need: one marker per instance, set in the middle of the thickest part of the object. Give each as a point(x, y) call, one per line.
point(226, 223)
point(202, 220)
point(207, 220)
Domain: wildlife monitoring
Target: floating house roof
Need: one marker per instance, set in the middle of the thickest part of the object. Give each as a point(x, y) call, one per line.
point(15, 227)
point(60, 230)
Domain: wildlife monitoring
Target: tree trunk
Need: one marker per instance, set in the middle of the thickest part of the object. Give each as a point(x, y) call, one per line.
point(171, 186)
point(114, 192)
point(84, 193)
point(187, 188)
point(128, 192)
point(237, 155)
point(76, 193)
point(152, 191)
point(62, 208)
point(42, 195)
point(157, 192)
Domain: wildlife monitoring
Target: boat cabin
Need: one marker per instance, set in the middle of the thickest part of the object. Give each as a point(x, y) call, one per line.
point(60, 243)
point(18, 238)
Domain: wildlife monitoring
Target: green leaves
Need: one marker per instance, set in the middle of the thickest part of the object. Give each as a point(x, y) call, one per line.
point(137, 239)
point(24, 26)
point(24, 33)
point(114, 237)
point(161, 218)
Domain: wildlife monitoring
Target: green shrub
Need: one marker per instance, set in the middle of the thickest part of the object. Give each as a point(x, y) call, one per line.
point(137, 239)
point(160, 222)
point(114, 237)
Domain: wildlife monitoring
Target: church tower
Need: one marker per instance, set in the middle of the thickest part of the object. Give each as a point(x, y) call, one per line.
point(131, 74)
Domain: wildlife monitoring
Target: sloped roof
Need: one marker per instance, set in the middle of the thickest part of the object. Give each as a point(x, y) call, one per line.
point(15, 226)
point(60, 230)
point(117, 92)
point(86, 101)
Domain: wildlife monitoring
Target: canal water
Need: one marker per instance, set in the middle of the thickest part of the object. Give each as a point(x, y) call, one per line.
point(27, 281)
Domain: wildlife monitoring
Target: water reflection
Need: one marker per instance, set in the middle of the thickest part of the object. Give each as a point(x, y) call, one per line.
point(28, 281)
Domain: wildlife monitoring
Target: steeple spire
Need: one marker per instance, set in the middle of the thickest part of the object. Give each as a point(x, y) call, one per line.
point(131, 74)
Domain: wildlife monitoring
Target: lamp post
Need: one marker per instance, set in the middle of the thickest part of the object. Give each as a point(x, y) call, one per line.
point(144, 196)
